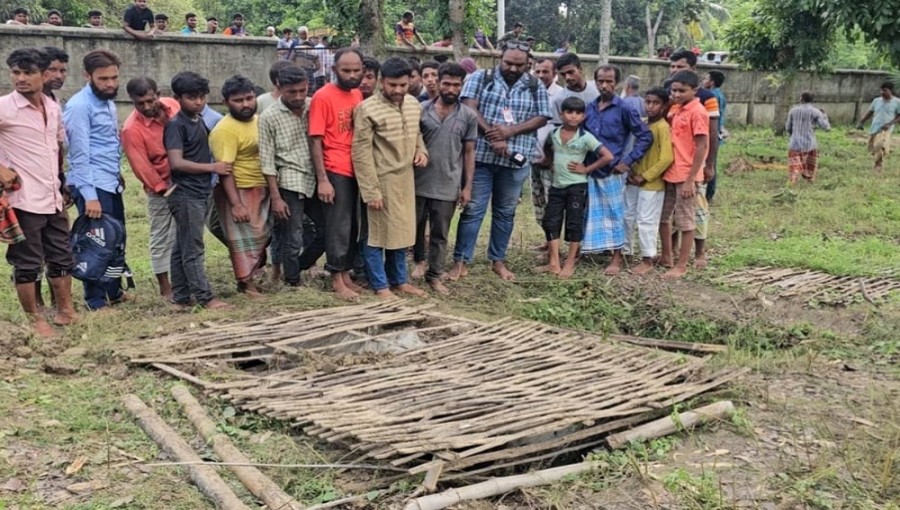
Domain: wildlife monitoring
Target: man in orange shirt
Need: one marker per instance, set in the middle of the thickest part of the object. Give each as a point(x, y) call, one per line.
point(142, 141)
point(690, 140)
point(406, 33)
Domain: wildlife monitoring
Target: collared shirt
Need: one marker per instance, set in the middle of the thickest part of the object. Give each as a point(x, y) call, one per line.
point(687, 121)
point(284, 148)
point(31, 148)
point(237, 142)
point(501, 105)
point(801, 124)
point(883, 112)
point(142, 141)
point(573, 151)
point(94, 149)
point(613, 125)
point(445, 140)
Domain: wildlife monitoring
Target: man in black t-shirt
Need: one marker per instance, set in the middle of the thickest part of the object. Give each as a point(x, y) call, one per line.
point(138, 20)
point(187, 146)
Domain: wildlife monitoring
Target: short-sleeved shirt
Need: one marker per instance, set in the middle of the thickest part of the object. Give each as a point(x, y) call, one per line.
point(138, 19)
point(501, 104)
point(236, 142)
point(883, 112)
point(264, 101)
point(589, 94)
point(574, 150)
point(405, 31)
point(445, 140)
point(191, 137)
point(687, 122)
point(331, 117)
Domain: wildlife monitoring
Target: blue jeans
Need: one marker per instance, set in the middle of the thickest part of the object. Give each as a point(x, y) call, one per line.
point(385, 268)
point(98, 295)
point(502, 187)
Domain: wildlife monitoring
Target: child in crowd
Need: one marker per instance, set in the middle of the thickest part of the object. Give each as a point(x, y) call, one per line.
point(689, 121)
point(190, 158)
point(567, 198)
point(646, 190)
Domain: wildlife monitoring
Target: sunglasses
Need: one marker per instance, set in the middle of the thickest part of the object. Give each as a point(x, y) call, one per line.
point(518, 45)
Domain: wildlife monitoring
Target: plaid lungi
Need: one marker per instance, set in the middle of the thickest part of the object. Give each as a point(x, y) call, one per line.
point(10, 231)
point(246, 242)
point(803, 163)
point(541, 181)
point(880, 146)
point(604, 227)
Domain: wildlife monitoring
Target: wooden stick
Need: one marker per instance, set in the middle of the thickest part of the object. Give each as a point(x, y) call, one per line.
point(666, 426)
point(342, 501)
point(286, 466)
point(180, 374)
point(204, 477)
point(259, 484)
point(672, 345)
point(495, 486)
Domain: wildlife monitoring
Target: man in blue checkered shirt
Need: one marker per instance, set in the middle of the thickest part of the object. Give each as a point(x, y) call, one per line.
point(511, 106)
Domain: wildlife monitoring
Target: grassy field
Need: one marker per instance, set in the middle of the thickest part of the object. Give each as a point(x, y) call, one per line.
point(819, 418)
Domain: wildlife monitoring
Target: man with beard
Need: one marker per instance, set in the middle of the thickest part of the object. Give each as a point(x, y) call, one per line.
point(512, 105)
point(94, 177)
point(190, 24)
point(369, 83)
point(386, 145)
point(241, 198)
point(331, 134)
point(612, 122)
point(54, 17)
point(449, 130)
point(237, 28)
point(142, 141)
point(31, 138)
point(57, 72)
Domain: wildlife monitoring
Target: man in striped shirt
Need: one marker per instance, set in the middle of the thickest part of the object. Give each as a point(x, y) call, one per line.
point(801, 124)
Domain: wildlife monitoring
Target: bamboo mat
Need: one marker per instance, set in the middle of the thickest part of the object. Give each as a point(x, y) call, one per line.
point(815, 286)
point(477, 396)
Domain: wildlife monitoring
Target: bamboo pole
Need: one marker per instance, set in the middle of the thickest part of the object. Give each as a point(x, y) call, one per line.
point(258, 483)
point(667, 425)
point(204, 477)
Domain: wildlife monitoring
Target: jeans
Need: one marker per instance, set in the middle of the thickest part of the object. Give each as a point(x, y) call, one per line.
point(501, 186)
point(188, 266)
point(437, 214)
point(287, 236)
point(711, 185)
point(341, 224)
point(386, 268)
point(97, 294)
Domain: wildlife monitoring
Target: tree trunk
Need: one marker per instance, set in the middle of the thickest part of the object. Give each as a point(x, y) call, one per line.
point(457, 24)
point(371, 32)
point(605, 26)
point(783, 97)
point(652, 29)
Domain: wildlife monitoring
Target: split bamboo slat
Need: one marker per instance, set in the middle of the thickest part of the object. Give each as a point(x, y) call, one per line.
point(815, 285)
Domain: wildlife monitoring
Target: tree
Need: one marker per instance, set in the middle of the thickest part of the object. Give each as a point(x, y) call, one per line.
point(783, 36)
point(877, 21)
point(605, 27)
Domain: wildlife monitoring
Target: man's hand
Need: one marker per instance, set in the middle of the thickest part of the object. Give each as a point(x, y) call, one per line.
point(688, 190)
point(92, 209)
point(280, 208)
point(222, 168)
point(498, 133)
point(375, 205)
point(887, 126)
point(621, 168)
point(326, 192)
point(240, 213)
point(860, 126)
point(67, 199)
point(577, 168)
point(465, 196)
point(709, 173)
point(122, 181)
point(500, 148)
point(636, 180)
point(8, 177)
point(420, 160)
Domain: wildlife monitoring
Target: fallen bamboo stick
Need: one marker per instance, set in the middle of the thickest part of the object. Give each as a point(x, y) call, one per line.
point(668, 425)
point(256, 482)
point(371, 467)
point(204, 477)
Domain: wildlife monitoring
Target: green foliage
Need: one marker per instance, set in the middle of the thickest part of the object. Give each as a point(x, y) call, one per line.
point(700, 492)
point(878, 21)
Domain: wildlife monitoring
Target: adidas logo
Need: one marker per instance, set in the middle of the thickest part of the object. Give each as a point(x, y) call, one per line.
point(97, 235)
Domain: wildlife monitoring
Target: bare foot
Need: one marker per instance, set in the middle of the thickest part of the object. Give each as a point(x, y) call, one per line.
point(385, 294)
point(675, 273)
point(350, 284)
point(215, 304)
point(664, 262)
point(65, 318)
point(499, 267)
point(613, 268)
point(41, 327)
point(548, 268)
point(459, 270)
point(700, 262)
point(643, 268)
point(419, 271)
point(317, 272)
point(167, 297)
point(412, 290)
point(439, 287)
point(346, 294)
point(566, 272)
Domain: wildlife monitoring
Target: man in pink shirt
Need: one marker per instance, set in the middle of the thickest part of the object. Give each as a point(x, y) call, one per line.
point(142, 141)
point(31, 136)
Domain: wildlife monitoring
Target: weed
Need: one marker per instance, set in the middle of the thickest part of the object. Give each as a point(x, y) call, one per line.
point(701, 492)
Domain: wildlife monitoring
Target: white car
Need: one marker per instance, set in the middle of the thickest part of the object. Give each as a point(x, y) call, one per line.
point(714, 57)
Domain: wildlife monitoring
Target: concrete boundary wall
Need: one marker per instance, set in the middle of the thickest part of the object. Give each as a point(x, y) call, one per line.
point(843, 94)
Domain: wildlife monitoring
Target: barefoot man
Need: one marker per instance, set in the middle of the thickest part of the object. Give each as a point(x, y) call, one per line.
point(31, 138)
point(511, 106)
point(387, 144)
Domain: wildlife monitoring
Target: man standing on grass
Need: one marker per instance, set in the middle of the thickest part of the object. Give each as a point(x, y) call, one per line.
point(142, 141)
point(387, 144)
point(884, 112)
point(94, 177)
point(31, 139)
point(242, 197)
point(803, 157)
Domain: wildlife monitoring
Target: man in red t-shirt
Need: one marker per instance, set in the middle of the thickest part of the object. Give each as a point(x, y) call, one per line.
point(331, 133)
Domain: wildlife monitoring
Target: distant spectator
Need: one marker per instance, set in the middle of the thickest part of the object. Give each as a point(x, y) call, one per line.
point(369, 82)
point(306, 56)
point(530, 41)
point(20, 17)
point(283, 48)
point(56, 72)
point(237, 26)
point(162, 22)
point(631, 95)
point(302, 36)
point(190, 24)
point(138, 20)
point(563, 48)
point(54, 18)
point(323, 74)
point(406, 33)
point(481, 42)
point(513, 35)
point(212, 26)
point(445, 42)
point(270, 33)
point(95, 19)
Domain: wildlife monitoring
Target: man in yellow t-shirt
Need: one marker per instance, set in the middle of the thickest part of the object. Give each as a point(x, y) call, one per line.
point(241, 198)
